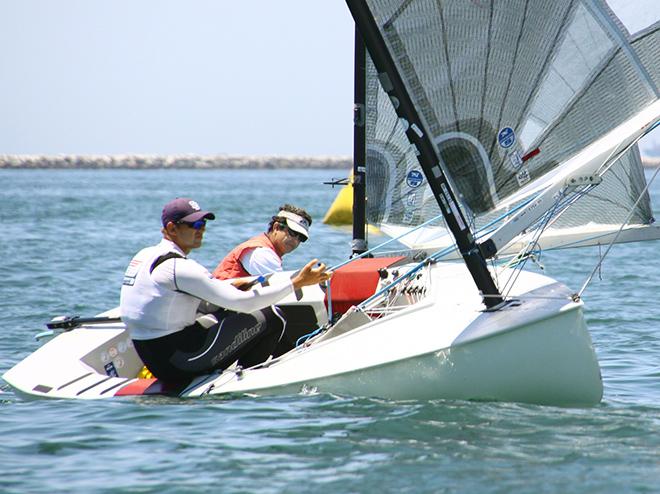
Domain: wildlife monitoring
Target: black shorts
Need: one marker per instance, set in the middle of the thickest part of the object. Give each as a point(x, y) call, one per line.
point(195, 350)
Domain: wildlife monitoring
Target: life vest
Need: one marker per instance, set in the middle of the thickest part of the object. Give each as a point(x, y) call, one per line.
point(230, 267)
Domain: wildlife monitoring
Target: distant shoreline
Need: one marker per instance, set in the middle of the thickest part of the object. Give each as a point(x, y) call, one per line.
point(650, 161)
point(145, 162)
point(158, 162)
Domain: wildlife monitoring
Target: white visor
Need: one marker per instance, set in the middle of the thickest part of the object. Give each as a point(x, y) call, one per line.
point(296, 222)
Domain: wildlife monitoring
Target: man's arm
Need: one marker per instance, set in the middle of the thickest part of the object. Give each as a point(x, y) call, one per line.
point(188, 276)
point(193, 279)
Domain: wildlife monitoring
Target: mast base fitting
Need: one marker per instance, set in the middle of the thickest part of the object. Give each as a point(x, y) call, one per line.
point(358, 245)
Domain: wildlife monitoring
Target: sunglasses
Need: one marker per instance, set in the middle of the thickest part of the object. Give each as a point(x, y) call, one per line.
point(197, 225)
point(299, 236)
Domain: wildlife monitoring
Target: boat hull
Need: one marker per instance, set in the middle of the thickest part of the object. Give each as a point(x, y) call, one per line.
point(531, 364)
point(536, 349)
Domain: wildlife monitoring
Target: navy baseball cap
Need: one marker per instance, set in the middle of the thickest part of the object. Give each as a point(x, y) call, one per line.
point(184, 209)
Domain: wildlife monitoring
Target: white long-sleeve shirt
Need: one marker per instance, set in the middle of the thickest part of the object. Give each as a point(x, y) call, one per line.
point(162, 302)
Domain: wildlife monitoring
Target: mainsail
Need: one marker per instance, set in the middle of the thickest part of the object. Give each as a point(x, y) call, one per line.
point(510, 91)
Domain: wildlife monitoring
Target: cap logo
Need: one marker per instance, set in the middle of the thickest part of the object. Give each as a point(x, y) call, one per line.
point(194, 205)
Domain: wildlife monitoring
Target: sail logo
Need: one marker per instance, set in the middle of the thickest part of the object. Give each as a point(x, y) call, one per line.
point(414, 178)
point(506, 137)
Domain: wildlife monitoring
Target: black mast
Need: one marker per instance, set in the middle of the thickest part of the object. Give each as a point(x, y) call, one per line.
point(428, 158)
point(359, 243)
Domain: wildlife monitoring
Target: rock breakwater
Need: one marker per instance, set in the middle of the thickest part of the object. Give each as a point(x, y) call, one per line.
point(173, 161)
point(191, 161)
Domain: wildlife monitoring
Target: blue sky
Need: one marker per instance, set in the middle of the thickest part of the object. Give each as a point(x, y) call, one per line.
point(187, 76)
point(255, 77)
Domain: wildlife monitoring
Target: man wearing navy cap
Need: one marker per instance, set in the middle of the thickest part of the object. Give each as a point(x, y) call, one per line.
point(162, 291)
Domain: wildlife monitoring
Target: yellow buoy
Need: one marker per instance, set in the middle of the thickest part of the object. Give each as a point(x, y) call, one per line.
point(340, 211)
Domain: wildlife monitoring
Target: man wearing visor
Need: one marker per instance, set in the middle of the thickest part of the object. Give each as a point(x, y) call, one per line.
point(263, 254)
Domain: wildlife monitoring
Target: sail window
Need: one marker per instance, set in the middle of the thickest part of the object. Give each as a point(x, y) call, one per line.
point(468, 164)
point(638, 16)
point(584, 46)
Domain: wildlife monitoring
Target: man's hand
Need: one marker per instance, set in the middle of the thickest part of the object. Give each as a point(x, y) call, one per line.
point(310, 275)
point(246, 283)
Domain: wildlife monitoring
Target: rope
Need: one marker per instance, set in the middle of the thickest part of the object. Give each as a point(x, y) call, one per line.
point(620, 153)
point(544, 222)
point(632, 211)
point(387, 242)
point(307, 336)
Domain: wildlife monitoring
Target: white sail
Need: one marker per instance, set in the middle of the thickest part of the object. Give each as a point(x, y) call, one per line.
point(511, 92)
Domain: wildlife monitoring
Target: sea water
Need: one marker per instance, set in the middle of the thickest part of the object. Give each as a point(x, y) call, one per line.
point(66, 237)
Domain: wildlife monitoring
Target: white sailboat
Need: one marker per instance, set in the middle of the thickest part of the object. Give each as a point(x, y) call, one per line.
point(498, 119)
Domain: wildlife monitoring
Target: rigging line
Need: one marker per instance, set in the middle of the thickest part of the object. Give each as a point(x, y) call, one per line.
point(480, 233)
point(387, 242)
point(565, 208)
point(495, 273)
point(611, 160)
point(430, 259)
point(304, 338)
point(363, 305)
point(632, 210)
point(568, 202)
point(442, 253)
point(609, 164)
point(560, 208)
point(518, 268)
